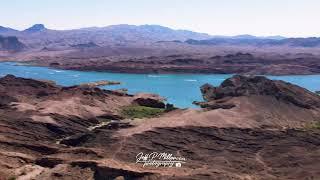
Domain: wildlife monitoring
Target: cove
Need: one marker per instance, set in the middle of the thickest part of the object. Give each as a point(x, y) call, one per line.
point(179, 89)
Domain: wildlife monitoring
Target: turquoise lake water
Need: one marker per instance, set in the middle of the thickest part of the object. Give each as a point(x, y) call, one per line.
point(179, 89)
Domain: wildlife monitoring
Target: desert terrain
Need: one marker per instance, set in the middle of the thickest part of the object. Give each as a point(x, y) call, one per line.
point(158, 49)
point(247, 128)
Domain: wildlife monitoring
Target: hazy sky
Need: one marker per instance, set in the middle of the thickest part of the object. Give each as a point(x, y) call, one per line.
point(216, 17)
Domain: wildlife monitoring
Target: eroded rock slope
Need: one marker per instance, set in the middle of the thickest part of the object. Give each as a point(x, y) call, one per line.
point(249, 128)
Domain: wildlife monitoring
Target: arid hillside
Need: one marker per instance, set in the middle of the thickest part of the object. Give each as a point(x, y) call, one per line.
point(248, 128)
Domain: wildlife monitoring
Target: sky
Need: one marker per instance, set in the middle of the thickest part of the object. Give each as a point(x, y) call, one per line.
point(291, 18)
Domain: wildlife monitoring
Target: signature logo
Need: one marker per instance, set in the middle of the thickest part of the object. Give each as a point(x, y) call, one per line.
point(159, 159)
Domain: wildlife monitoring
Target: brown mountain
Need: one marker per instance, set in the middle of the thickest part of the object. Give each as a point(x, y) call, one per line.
point(238, 86)
point(53, 132)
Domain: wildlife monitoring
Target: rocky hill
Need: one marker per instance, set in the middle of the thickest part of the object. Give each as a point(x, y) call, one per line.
point(271, 103)
point(238, 86)
point(52, 132)
point(35, 28)
point(11, 43)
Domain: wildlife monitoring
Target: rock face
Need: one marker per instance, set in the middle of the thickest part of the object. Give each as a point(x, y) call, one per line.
point(261, 86)
point(149, 100)
point(11, 43)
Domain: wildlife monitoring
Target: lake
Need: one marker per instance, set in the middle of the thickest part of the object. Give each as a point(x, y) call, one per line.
point(179, 89)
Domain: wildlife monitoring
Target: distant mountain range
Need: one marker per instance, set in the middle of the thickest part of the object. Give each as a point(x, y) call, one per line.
point(247, 36)
point(104, 35)
point(40, 37)
point(154, 31)
point(292, 42)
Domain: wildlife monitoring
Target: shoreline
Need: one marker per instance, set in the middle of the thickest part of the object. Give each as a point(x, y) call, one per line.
point(138, 82)
point(136, 71)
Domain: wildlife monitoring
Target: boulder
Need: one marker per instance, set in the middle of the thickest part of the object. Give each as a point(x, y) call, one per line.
point(149, 100)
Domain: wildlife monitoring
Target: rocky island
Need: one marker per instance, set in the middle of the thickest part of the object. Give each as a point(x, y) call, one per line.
point(249, 128)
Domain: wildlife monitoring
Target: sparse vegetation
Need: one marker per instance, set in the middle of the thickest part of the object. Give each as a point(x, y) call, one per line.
point(314, 125)
point(170, 107)
point(12, 178)
point(100, 83)
point(141, 112)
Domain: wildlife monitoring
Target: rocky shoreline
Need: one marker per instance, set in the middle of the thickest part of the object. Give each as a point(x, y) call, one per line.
point(231, 63)
point(234, 63)
point(269, 130)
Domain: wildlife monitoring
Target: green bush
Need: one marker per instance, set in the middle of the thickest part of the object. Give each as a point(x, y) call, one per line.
point(314, 125)
point(170, 107)
point(141, 112)
point(12, 178)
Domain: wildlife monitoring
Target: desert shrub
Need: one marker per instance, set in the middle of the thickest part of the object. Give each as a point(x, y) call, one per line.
point(141, 112)
point(12, 178)
point(314, 125)
point(170, 107)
